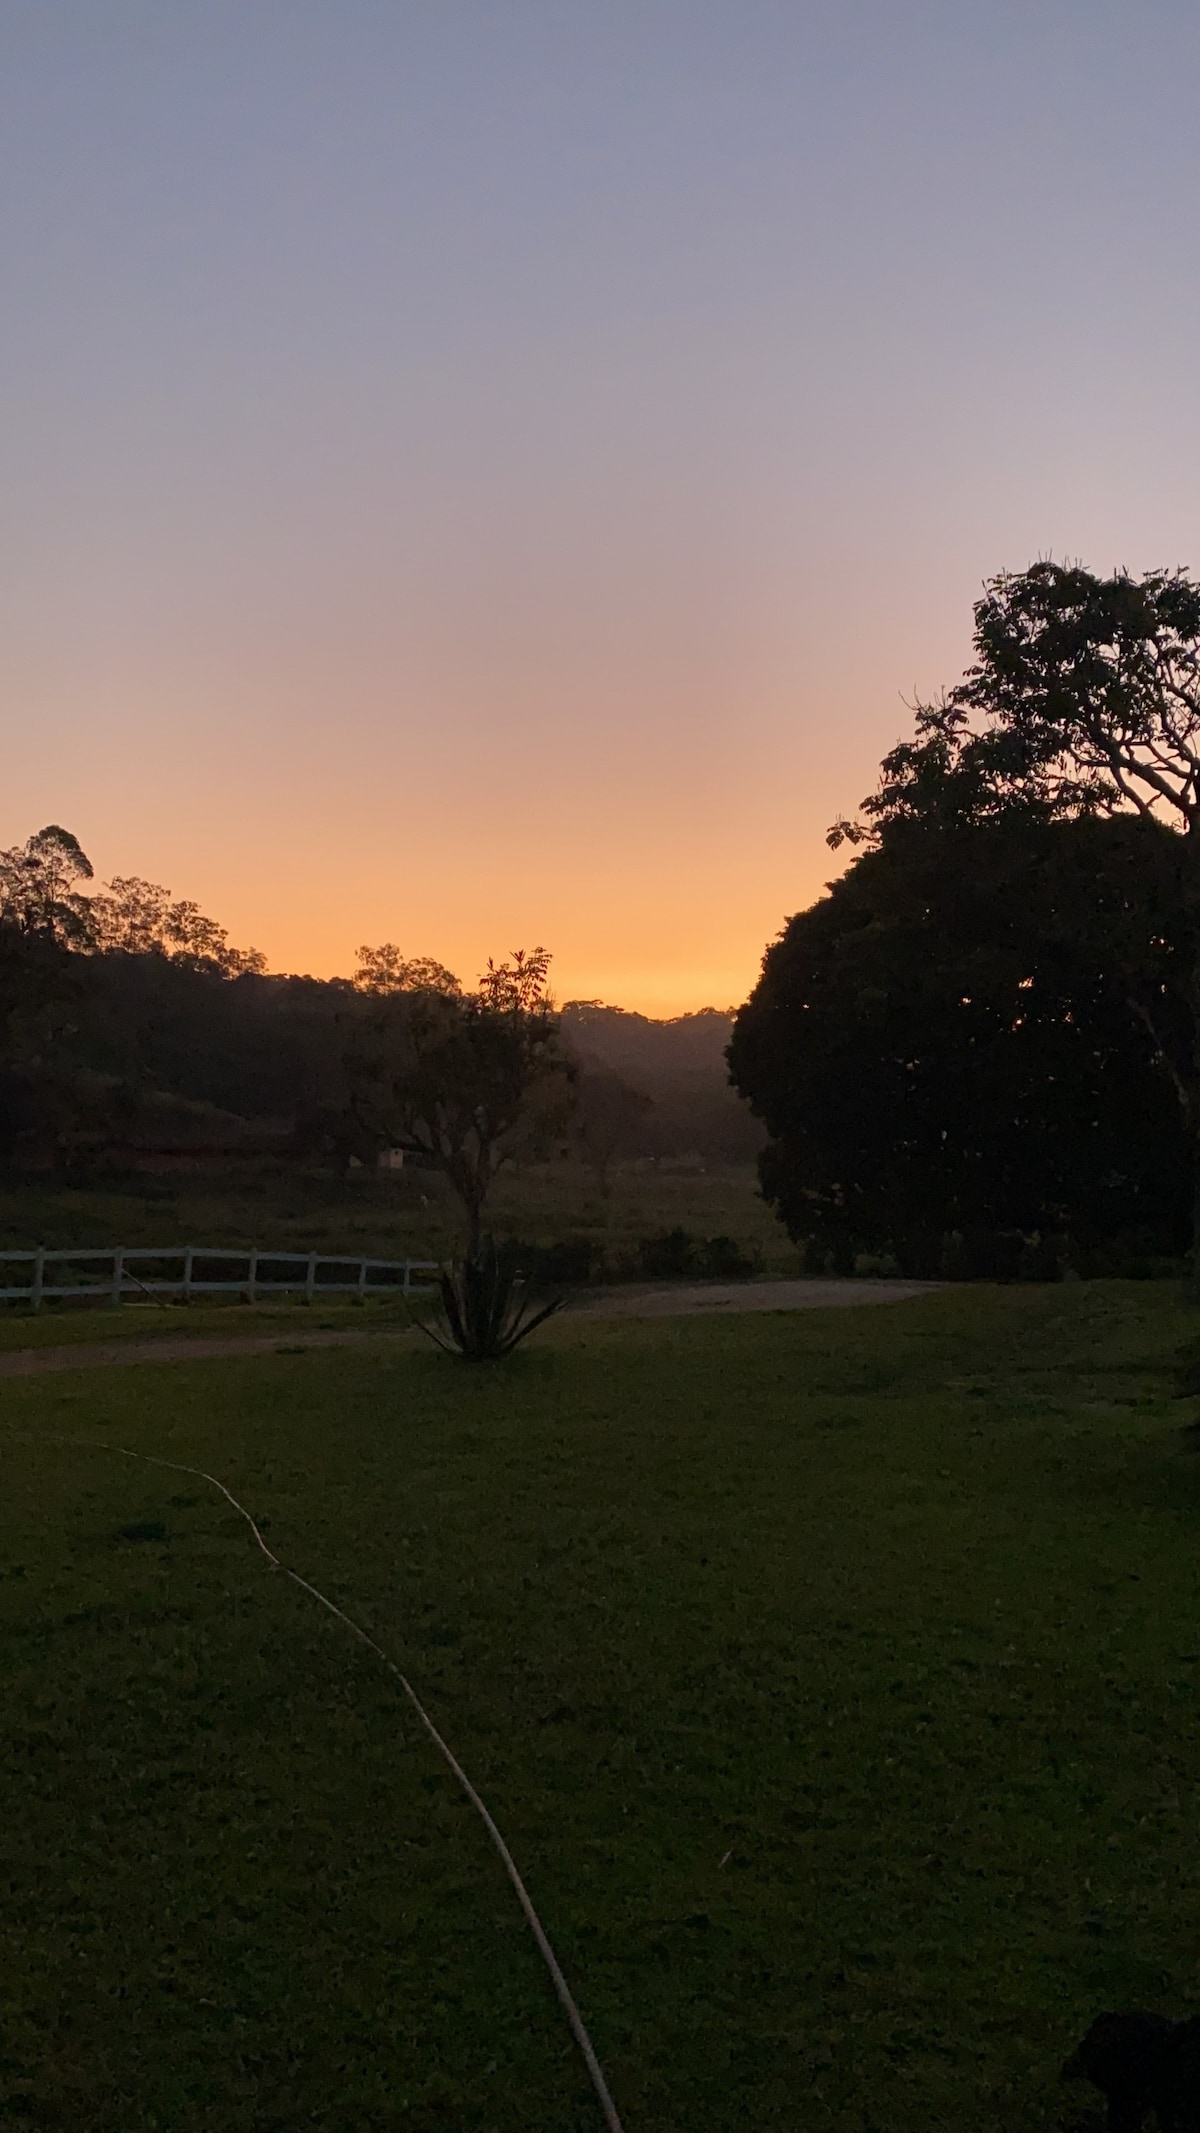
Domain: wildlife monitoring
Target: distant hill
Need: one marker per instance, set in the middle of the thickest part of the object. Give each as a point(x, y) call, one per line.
point(645, 1050)
point(680, 1065)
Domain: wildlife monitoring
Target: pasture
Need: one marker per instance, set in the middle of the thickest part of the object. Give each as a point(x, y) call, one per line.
point(832, 1676)
point(396, 1215)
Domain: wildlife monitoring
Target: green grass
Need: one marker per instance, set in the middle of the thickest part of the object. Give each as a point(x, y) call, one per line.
point(832, 1676)
point(410, 1214)
point(74, 1325)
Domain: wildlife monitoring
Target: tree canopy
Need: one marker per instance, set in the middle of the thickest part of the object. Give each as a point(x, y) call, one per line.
point(941, 1045)
point(457, 1078)
point(41, 897)
point(386, 970)
point(1083, 698)
point(1082, 702)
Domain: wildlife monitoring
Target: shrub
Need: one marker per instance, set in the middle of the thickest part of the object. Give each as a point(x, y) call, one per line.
point(569, 1263)
point(723, 1259)
point(877, 1266)
point(672, 1256)
point(923, 1255)
point(489, 1308)
point(1043, 1258)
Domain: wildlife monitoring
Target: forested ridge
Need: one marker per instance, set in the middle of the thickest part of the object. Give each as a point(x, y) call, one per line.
point(130, 1026)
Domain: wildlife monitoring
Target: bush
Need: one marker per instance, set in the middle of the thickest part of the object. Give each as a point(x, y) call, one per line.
point(982, 1254)
point(974, 1254)
point(488, 1307)
point(1134, 1255)
point(876, 1266)
point(1043, 1258)
point(672, 1256)
point(723, 1259)
point(570, 1263)
point(924, 1255)
point(678, 1256)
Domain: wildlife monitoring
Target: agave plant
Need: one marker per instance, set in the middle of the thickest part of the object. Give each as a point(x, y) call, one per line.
point(488, 1306)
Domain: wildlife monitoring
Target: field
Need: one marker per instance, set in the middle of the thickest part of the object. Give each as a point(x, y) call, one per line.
point(833, 1677)
point(409, 1214)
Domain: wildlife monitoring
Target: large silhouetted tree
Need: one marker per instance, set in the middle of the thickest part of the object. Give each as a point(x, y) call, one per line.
point(1084, 699)
point(938, 1046)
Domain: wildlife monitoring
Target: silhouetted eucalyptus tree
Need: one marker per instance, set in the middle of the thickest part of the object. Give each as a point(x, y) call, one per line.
point(386, 970)
point(40, 896)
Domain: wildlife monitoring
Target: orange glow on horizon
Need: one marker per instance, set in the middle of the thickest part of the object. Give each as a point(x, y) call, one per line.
point(478, 477)
point(717, 969)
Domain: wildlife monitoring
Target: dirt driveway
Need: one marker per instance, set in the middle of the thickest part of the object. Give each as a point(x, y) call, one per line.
point(651, 1301)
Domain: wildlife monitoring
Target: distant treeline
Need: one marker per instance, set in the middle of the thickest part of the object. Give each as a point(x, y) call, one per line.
point(131, 1031)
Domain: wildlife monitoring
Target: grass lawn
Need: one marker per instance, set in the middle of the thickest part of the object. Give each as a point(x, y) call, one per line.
point(70, 1326)
point(833, 1677)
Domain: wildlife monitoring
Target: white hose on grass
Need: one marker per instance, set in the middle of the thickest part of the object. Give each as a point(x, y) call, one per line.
point(561, 1987)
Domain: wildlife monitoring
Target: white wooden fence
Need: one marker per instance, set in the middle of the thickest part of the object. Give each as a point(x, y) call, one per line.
point(203, 1270)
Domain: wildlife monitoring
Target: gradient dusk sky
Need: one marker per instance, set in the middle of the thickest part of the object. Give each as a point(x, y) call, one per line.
point(480, 472)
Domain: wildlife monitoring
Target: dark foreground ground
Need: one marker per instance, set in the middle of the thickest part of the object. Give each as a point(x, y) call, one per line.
point(833, 1676)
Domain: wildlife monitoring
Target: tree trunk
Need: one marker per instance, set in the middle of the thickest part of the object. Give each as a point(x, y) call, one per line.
point(470, 1181)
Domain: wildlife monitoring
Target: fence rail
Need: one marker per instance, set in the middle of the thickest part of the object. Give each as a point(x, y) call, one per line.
point(205, 1270)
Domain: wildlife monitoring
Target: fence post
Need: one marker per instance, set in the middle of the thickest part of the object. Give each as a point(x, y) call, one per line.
point(39, 1275)
point(362, 1282)
point(118, 1270)
point(251, 1294)
point(310, 1279)
point(407, 1277)
point(187, 1273)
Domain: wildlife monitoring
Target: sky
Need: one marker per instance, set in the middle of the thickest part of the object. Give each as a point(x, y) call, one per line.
point(477, 473)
